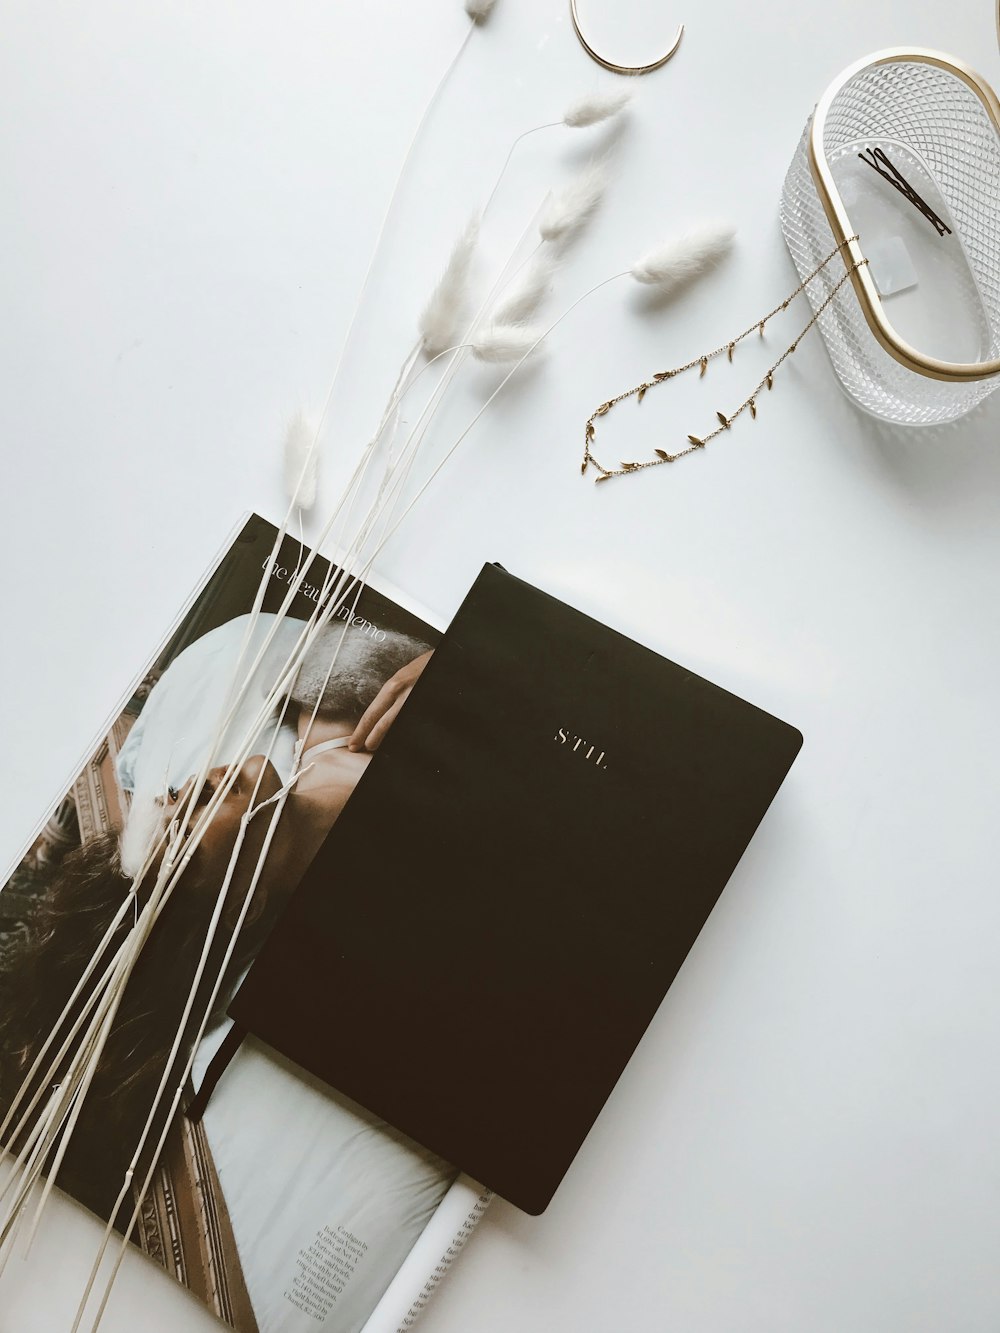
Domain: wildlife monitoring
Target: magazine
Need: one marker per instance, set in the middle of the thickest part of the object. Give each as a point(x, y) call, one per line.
point(281, 1205)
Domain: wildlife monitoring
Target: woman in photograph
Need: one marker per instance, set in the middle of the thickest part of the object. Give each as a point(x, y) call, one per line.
point(284, 1207)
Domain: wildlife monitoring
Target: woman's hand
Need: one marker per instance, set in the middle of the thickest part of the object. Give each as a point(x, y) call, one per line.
point(381, 712)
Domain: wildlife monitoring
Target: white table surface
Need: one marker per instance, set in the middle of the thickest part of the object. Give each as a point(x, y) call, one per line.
point(808, 1136)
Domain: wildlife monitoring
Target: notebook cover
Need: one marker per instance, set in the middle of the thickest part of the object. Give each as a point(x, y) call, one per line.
point(491, 924)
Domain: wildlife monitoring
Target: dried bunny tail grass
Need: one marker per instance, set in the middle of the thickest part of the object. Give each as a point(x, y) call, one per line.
point(539, 338)
point(528, 291)
point(301, 458)
point(478, 11)
point(58, 1119)
point(597, 106)
point(499, 344)
point(589, 110)
point(440, 323)
point(569, 207)
point(681, 259)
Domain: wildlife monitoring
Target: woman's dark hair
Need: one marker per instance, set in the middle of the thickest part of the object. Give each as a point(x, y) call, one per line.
point(75, 910)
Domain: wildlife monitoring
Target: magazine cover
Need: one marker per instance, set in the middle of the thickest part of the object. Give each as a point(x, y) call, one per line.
point(283, 1206)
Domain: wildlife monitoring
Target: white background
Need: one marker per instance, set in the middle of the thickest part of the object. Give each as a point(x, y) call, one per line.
point(807, 1138)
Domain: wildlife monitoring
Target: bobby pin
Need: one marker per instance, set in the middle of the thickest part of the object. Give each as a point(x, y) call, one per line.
point(878, 161)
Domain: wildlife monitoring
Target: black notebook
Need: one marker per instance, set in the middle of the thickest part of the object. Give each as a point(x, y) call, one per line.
point(491, 924)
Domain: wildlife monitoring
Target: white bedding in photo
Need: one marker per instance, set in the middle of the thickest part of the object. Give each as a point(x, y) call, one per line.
point(325, 1201)
point(176, 728)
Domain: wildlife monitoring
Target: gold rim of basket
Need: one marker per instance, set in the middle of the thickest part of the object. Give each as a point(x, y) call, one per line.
point(840, 223)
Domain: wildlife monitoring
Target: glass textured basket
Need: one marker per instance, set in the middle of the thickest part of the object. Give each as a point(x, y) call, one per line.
point(939, 123)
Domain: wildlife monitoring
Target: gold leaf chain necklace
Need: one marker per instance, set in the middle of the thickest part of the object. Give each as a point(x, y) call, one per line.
point(696, 442)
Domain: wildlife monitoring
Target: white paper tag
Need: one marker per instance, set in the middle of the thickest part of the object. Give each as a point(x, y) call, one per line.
point(891, 266)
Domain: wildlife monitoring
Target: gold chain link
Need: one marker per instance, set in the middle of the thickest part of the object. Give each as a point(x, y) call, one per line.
point(661, 377)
